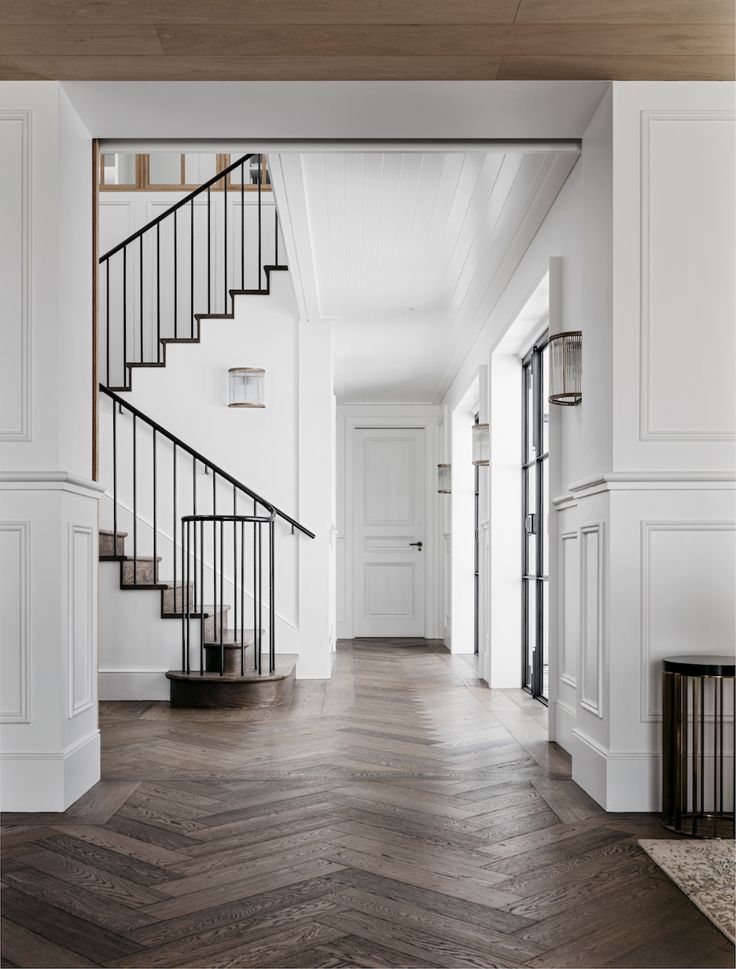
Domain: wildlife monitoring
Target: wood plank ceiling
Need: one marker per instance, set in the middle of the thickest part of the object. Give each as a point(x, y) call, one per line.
point(367, 39)
point(409, 253)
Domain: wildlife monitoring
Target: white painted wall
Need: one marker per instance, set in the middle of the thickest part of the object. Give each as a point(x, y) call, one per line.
point(643, 539)
point(48, 505)
point(264, 449)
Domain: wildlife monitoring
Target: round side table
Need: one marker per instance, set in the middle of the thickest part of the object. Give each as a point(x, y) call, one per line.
point(698, 743)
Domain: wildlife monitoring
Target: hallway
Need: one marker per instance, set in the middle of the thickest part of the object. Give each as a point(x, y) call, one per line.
point(398, 814)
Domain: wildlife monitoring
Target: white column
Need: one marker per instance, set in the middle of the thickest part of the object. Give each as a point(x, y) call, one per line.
point(316, 500)
point(48, 506)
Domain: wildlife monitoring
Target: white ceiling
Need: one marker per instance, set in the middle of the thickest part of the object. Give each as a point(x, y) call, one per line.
point(408, 253)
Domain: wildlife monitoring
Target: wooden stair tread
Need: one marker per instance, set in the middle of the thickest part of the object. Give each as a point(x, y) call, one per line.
point(110, 532)
point(140, 558)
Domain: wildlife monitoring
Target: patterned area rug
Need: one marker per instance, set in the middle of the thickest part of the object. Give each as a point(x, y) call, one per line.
point(706, 872)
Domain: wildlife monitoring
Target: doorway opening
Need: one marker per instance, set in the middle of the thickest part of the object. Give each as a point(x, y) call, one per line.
point(534, 518)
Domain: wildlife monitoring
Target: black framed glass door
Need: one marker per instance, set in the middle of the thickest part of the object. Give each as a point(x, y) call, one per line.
point(534, 524)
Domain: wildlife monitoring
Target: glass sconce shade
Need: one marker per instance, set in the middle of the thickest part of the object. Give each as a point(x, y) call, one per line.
point(565, 370)
point(247, 387)
point(481, 444)
point(444, 479)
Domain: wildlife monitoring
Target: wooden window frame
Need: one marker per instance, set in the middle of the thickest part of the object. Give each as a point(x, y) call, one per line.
point(143, 178)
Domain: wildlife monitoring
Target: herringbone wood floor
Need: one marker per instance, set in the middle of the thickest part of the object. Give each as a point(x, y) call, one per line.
point(399, 815)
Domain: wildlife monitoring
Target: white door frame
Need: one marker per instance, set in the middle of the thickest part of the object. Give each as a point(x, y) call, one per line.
point(432, 598)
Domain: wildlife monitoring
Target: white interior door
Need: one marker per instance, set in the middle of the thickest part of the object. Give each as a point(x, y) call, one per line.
point(388, 532)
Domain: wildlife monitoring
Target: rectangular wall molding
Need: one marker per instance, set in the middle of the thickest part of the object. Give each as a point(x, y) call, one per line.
point(15, 274)
point(672, 150)
point(591, 618)
point(81, 620)
point(687, 580)
point(15, 621)
point(569, 629)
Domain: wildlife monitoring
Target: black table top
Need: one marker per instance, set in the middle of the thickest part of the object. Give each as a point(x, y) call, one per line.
point(700, 665)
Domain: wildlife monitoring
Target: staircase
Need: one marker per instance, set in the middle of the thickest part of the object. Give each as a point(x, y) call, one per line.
point(216, 537)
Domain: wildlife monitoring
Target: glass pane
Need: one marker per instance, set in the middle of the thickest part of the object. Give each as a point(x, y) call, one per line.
point(531, 625)
point(530, 451)
point(164, 168)
point(118, 168)
point(544, 685)
point(545, 517)
point(531, 504)
point(544, 402)
point(199, 167)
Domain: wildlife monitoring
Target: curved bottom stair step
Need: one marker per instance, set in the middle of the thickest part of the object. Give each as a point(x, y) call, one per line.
point(233, 691)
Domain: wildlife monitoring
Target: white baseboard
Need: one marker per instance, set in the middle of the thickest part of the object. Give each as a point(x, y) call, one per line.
point(565, 720)
point(49, 780)
point(132, 685)
point(617, 780)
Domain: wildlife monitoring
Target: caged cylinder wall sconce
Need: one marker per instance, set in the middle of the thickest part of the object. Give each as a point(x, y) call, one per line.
point(481, 445)
point(565, 368)
point(247, 387)
point(444, 479)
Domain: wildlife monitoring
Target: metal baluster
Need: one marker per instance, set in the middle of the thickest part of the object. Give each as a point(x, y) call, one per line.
point(115, 478)
point(140, 287)
point(158, 294)
point(255, 598)
point(242, 598)
point(224, 244)
point(176, 285)
point(183, 612)
point(275, 236)
point(242, 226)
point(715, 758)
point(135, 512)
point(222, 599)
point(191, 268)
point(187, 608)
point(201, 596)
point(125, 316)
point(107, 318)
point(260, 594)
point(235, 563)
point(260, 179)
point(209, 254)
point(214, 560)
point(155, 530)
point(173, 530)
point(271, 599)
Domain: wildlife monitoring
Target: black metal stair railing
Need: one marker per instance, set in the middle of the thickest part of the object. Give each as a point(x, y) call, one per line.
point(157, 483)
point(182, 265)
point(242, 533)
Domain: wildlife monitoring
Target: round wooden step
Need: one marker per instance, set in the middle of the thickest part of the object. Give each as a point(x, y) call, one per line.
point(213, 691)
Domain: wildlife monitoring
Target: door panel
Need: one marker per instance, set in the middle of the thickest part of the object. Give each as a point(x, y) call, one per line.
point(388, 515)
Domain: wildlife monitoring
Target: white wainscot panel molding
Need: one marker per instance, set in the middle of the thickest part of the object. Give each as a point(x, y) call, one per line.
point(15, 622)
point(15, 275)
point(591, 618)
point(569, 608)
point(688, 255)
point(81, 618)
point(688, 576)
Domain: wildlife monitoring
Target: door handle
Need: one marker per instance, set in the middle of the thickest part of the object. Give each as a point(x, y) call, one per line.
point(418, 545)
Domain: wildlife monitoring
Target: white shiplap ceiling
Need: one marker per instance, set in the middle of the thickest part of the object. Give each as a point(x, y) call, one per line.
point(408, 253)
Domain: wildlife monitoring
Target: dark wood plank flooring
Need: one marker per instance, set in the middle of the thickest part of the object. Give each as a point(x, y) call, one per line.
point(400, 814)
